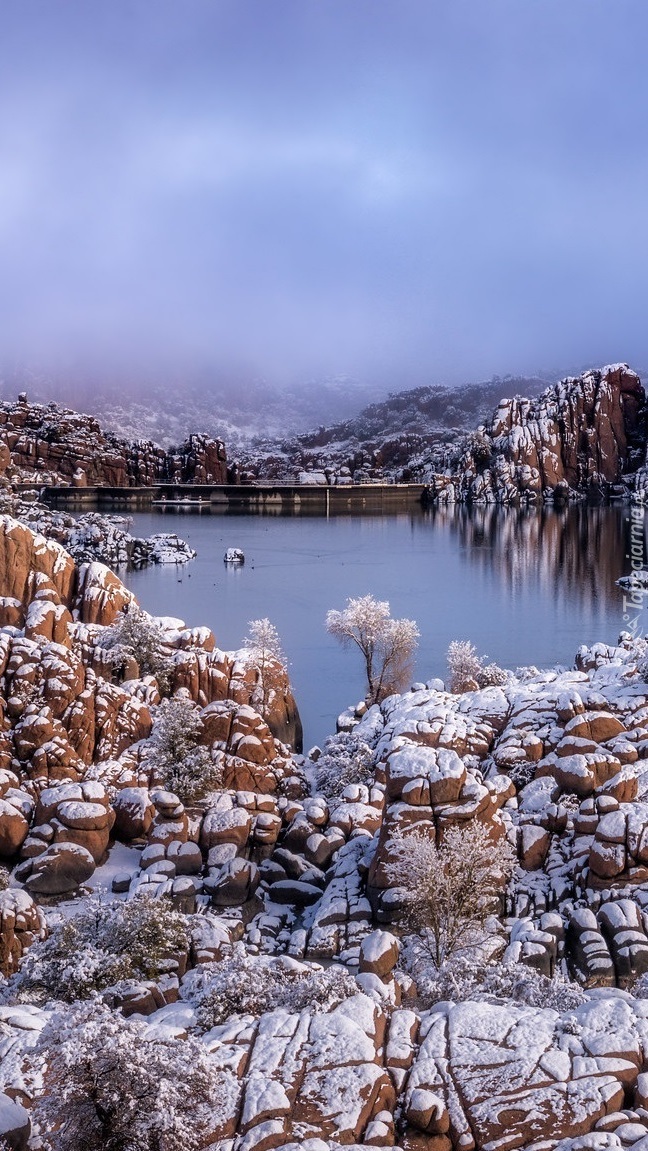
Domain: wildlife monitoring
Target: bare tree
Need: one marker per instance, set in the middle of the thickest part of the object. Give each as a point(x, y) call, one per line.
point(387, 644)
point(267, 657)
point(449, 891)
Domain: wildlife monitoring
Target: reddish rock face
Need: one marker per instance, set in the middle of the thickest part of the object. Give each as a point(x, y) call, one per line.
point(581, 434)
point(50, 444)
point(21, 923)
point(25, 556)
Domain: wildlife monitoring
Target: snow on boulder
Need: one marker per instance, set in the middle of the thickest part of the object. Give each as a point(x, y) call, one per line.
point(59, 870)
point(442, 768)
point(21, 924)
point(379, 953)
point(14, 828)
point(427, 1111)
point(101, 595)
point(15, 1125)
point(168, 548)
point(134, 812)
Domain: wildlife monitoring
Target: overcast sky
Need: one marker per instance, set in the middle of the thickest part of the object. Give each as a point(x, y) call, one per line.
point(427, 189)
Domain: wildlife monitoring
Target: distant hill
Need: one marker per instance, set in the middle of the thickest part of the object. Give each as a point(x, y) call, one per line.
point(426, 410)
point(168, 410)
point(387, 439)
point(238, 410)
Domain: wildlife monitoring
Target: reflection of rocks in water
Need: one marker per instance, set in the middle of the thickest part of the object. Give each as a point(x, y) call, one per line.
point(580, 550)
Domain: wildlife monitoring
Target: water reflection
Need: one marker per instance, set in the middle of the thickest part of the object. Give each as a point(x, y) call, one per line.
point(578, 552)
point(527, 587)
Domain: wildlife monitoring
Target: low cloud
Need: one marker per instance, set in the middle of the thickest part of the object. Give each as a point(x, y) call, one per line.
point(380, 189)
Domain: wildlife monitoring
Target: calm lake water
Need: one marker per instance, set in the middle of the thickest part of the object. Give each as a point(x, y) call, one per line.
point(524, 587)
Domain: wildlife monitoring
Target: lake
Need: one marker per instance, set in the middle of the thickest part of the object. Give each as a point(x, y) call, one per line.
point(526, 587)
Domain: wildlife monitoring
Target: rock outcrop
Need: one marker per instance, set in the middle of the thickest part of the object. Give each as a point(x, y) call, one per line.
point(94, 536)
point(52, 445)
point(386, 441)
point(68, 712)
point(585, 436)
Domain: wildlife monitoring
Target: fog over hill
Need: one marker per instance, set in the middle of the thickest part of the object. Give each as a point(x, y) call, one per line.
point(166, 408)
point(244, 411)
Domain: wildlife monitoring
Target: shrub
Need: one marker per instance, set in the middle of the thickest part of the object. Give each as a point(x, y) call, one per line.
point(176, 755)
point(346, 759)
point(492, 675)
point(111, 1086)
point(480, 447)
point(468, 670)
point(464, 664)
point(462, 979)
point(642, 660)
point(104, 944)
point(136, 635)
point(246, 985)
point(521, 773)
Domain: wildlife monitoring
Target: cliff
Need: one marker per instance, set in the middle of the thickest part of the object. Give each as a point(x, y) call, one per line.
point(52, 445)
point(584, 436)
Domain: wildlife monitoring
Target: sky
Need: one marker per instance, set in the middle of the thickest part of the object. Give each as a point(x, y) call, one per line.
point(410, 190)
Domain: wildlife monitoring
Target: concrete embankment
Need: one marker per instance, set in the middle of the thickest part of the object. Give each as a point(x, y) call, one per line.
point(285, 499)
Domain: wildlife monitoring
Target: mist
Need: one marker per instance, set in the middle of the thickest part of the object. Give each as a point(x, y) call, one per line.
point(388, 190)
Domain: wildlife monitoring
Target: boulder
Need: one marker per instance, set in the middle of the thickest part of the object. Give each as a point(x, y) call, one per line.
point(60, 870)
point(379, 953)
point(15, 1124)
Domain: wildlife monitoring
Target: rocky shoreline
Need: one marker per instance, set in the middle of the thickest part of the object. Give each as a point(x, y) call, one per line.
point(104, 538)
point(583, 438)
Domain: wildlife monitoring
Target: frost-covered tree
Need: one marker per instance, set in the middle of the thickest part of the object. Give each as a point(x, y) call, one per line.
point(480, 446)
point(492, 675)
point(464, 665)
point(176, 755)
point(346, 759)
point(387, 645)
point(110, 1086)
point(640, 651)
point(102, 945)
point(266, 657)
point(135, 635)
point(448, 892)
point(469, 671)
